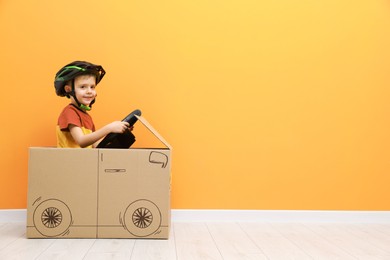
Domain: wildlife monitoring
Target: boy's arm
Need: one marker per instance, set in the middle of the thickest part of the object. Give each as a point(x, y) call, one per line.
point(85, 140)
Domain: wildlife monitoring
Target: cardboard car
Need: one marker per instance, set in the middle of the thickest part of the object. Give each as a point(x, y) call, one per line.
point(99, 193)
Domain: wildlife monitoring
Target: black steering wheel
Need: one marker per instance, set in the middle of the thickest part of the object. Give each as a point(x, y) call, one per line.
point(124, 140)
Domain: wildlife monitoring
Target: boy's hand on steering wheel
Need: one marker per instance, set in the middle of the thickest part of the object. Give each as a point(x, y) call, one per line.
point(118, 127)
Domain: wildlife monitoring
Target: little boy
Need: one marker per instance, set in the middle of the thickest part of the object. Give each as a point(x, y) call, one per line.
point(75, 128)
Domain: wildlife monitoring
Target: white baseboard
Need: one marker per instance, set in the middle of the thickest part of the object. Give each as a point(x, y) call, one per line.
point(185, 215)
point(281, 216)
point(13, 215)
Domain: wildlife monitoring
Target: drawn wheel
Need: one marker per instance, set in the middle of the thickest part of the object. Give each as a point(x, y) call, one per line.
point(142, 218)
point(52, 218)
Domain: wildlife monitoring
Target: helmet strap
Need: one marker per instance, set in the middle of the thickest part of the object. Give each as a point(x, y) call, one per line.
point(84, 107)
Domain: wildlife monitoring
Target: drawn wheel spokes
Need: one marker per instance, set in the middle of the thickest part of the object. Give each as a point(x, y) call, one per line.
point(51, 217)
point(142, 217)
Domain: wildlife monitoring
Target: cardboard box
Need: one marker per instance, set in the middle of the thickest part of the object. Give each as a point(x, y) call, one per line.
point(99, 193)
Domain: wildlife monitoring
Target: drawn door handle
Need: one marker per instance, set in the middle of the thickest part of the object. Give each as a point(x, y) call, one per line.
point(115, 170)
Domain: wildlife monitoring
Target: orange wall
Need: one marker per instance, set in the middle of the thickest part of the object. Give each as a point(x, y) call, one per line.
point(268, 104)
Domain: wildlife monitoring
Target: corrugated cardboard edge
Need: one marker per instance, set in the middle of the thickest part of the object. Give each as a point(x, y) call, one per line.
point(154, 131)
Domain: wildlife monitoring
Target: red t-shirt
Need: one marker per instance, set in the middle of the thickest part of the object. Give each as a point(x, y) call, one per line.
point(71, 115)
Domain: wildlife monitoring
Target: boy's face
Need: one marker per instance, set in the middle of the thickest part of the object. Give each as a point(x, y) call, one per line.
point(85, 89)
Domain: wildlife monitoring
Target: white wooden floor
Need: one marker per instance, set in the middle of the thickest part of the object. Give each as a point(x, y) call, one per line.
point(213, 241)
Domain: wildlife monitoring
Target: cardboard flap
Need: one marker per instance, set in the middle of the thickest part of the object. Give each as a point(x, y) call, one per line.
point(151, 129)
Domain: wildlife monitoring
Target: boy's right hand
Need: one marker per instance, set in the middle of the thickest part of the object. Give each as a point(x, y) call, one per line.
point(118, 127)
